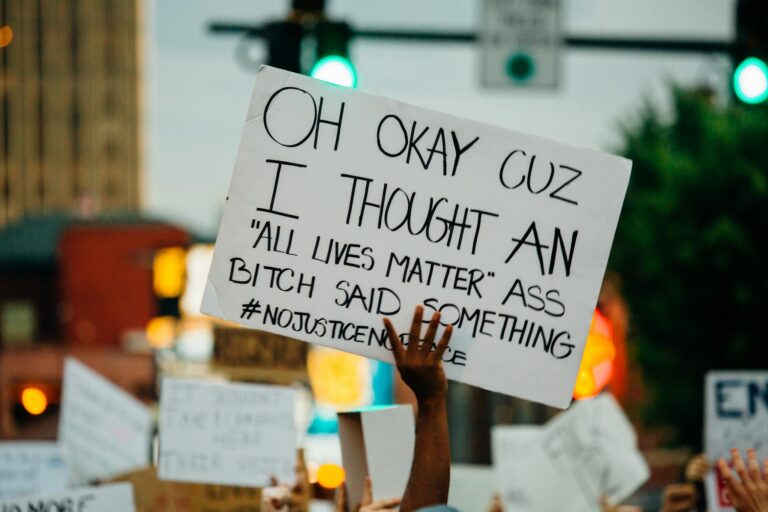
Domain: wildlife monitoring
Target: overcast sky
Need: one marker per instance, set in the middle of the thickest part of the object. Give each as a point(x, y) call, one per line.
point(197, 94)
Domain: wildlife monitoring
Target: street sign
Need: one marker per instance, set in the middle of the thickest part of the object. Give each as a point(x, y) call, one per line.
point(520, 42)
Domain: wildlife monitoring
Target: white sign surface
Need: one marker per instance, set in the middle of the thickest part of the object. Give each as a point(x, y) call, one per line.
point(345, 207)
point(226, 433)
point(377, 442)
point(520, 41)
point(522, 470)
point(593, 449)
point(736, 417)
point(736, 413)
point(589, 450)
point(106, 498)
point(103, 431)
point(30, 467)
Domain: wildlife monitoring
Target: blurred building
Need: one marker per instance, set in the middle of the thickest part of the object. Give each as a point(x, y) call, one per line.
point(69, 102)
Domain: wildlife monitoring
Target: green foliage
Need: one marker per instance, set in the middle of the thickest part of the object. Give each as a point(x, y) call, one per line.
point(691, 250)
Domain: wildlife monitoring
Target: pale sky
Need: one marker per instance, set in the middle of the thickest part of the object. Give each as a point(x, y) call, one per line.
point(197, 95)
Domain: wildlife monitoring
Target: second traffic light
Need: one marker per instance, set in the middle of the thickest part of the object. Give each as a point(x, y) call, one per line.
point(320, 50)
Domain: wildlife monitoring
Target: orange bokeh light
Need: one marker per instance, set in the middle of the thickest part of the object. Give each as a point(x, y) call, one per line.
point(596, 369)
point(34, 401)
point(330, 476)
point(6, 36)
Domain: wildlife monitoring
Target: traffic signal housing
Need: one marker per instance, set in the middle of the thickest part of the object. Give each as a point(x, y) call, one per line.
point(332, 62)
point(750, 54)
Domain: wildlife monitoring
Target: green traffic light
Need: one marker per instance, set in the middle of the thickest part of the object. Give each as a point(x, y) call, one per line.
point(336, 70)
point(520, 67)
point(750, 81)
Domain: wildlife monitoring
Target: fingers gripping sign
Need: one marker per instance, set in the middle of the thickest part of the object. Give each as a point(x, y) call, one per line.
point(420, 362)
point(748, 492)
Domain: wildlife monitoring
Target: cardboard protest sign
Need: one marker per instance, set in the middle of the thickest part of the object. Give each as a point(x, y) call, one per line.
point(103, 431)
point(30, 467)
point(226, 433)
point(377, 442)
point(736, 416)
point(345, 207)
point(112, 498)
point(154, 495)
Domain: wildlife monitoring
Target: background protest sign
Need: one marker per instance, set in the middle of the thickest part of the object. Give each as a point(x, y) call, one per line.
point(30, 467)
point(114, 498)
point(523, 472)
point(154, 495)
point(589, 450)
point(344, 207)
point(226, 433)
point(593, 449)
point(736, 416)
point(377, 442)
point(103, 431)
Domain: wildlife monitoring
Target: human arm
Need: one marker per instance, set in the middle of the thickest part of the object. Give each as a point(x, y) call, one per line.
point(420, 366)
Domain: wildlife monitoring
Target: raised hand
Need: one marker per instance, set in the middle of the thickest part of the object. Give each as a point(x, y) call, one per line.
point(748, 492)
point(420, 363)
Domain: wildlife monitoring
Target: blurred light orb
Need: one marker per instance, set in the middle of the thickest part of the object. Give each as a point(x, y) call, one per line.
point(750, 81)
point(6, 35)
point(596, 369)
point(336, 70)
point(34, 401)
point(330, 476)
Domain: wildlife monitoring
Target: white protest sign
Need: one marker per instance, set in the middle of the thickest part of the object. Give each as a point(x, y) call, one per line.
point(523, 472)
point(377, 442)
point(226, 433)
point(592, 447)
point(736, 413)
point(30, 467)
point(736, 416)
point(103, 431)
point(345, 207)
point(105, 498)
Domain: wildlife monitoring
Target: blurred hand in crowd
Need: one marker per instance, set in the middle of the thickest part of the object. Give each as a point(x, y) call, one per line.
point(748, 492)
point(678, 498)
point(367, 504)
point(496, 504)
point(282, 497)
point(421, 367)
point(697, 468)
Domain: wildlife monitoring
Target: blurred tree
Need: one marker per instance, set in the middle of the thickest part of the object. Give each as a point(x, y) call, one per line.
point(691, 248)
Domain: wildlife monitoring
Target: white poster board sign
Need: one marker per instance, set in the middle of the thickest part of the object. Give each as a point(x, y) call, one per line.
point(736, 416)
point(30, 467)
point(103, 431)
point(523, 472)
point(377, 442)
point(226, 433)
point(106, 498)
point(590, 450)
point(345, 207)
point(593, 449)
